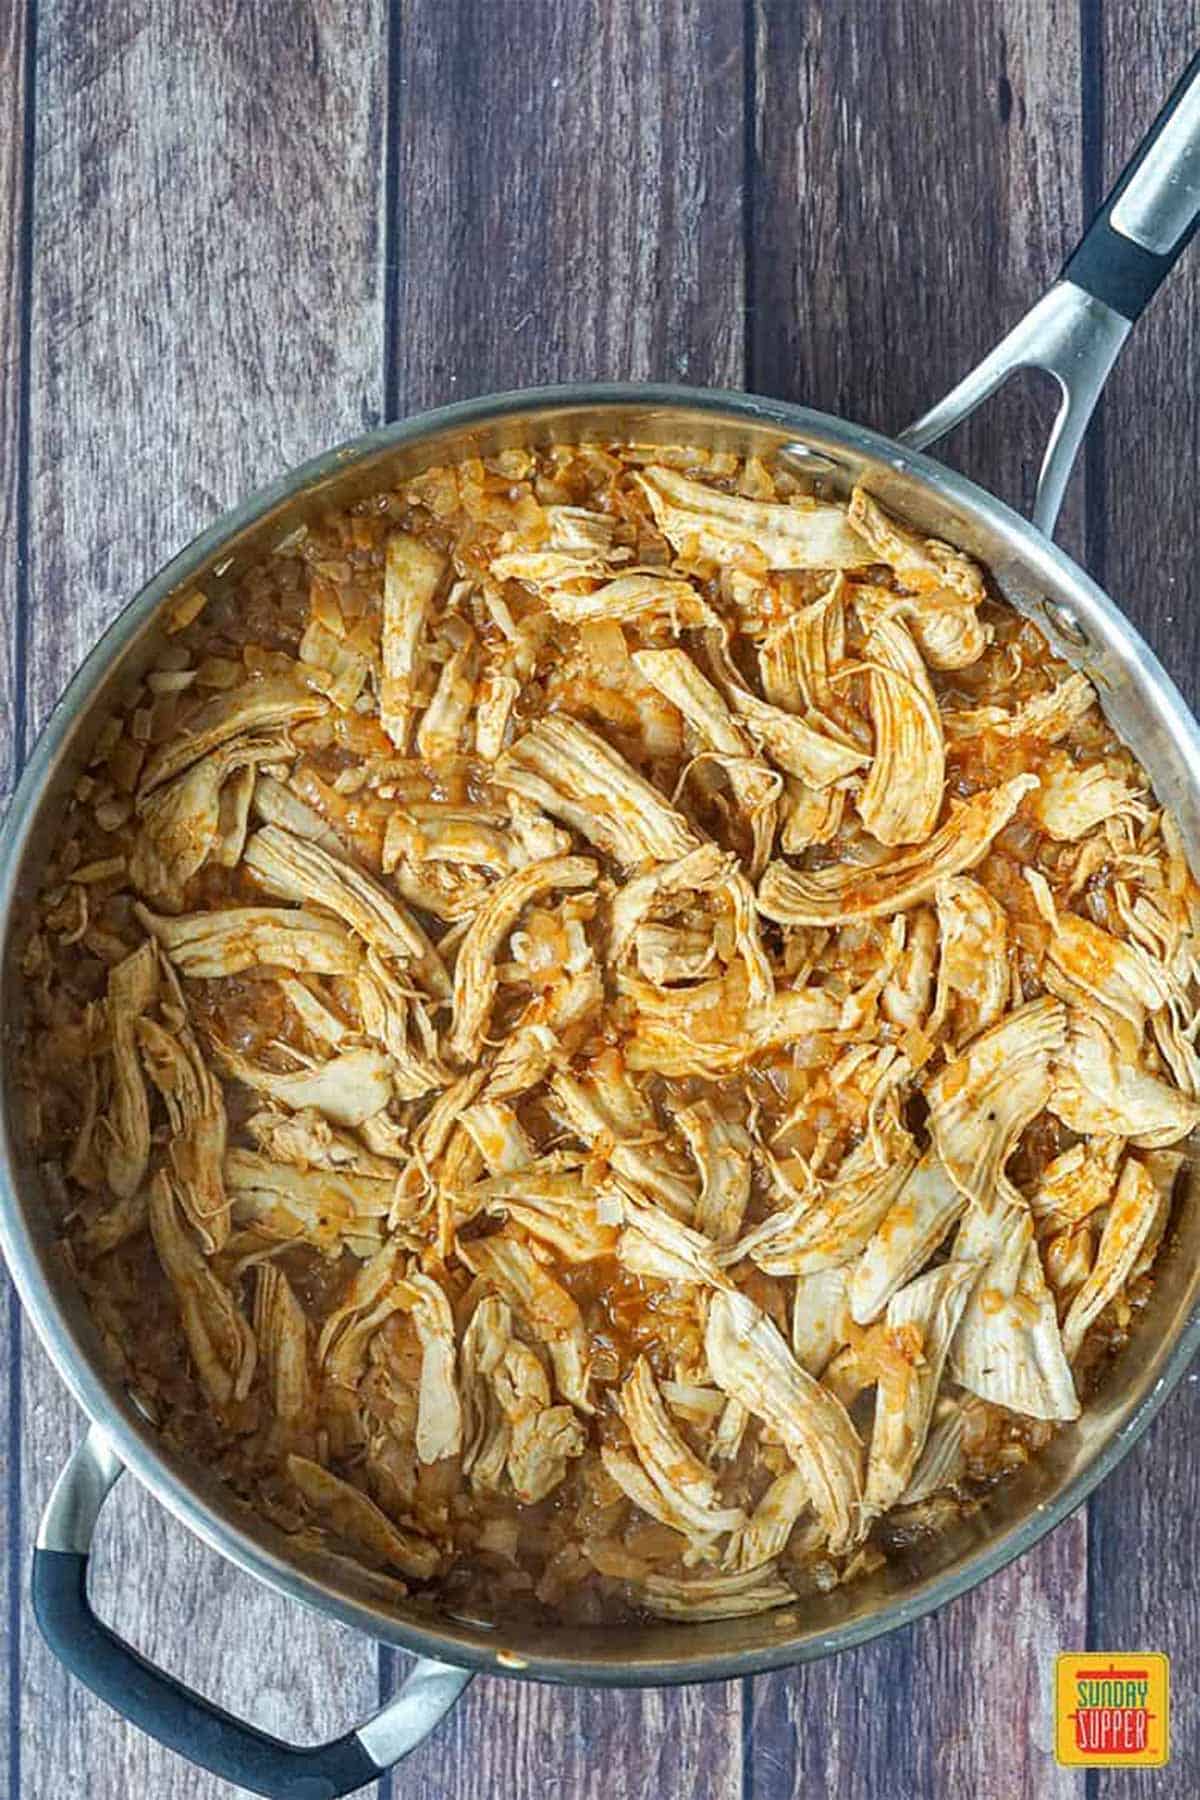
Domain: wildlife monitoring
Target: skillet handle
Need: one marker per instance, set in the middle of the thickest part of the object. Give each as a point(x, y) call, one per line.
point(1076, 331)
point(1151, 215)
point(176, 1715)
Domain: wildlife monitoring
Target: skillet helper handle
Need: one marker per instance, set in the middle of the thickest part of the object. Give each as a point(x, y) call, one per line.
point(176, 1715)
point(1076, 331)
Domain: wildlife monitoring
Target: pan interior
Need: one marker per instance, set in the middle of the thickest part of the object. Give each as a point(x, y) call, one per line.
point(1082, 625)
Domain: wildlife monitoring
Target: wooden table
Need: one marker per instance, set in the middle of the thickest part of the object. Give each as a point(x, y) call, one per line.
point(230, 235)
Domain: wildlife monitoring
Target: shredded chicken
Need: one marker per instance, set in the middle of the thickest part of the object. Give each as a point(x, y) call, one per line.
point(412, 575)
point(1008, 1348)
point(251, 706)
point(836, 894)
point(913, 1227)
point(940, 588)
point(474, 972)
point(1047, 716)
point(1096, 1090)
point(439, 1410)
point(902, 796)
point(981, 1102)
point(571, 772)
point(755, 1590)
point(920, 1324)
point(352, 1517)
point(832, 1227)
point(819, 1318)
point(704, 525)
point(722, 1153)
point(220, 1342)
point(806, 750)
point(181, 823)
point(1072, 802)
point(765, 1535)
point(195, 1109)
point(973, 982)
point(132, 985)
point(1134, 1224)
point(609, 1036)
point(751, 1362)
point(557, 576)
point(322, 1206)
point(687, 1485)
point(348, 1089)
point(542, 1304)
point(210, 945)
point(282, 1331)
point(292, 869)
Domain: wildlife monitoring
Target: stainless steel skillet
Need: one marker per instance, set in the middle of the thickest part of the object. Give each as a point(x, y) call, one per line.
point(1075, 332)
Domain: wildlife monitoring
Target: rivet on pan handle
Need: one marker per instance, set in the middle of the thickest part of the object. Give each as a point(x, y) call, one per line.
point(1076, 331)
point(176, 1715)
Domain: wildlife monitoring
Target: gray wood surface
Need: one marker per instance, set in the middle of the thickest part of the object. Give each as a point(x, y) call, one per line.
point(917, 177)
point(14, 249)
point(255, 230)
point(569, 203)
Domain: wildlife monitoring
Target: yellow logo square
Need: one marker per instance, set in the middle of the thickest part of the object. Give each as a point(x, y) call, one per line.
point(1112, 1709)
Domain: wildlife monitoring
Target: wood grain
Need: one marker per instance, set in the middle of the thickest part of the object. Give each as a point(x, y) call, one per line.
point(916, 184)
point(207, 308)
point(208, 301)
point(1145, 1519)
point(569, 201)
point(959, 1704)
point(14, 80)
point(543, 1743)
point(873, 287)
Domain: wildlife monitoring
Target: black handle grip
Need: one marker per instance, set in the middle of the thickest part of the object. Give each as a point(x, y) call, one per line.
point(173, 1713)
point(1114, 266)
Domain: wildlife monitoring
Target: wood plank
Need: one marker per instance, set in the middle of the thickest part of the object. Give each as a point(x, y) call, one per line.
point(1142, 523)
point(917, 185)
point(208, 301)
point(938, 1708)
point(15, 79)
point(1144, 1525)
point(569, 207)
point(569, 196)
point(1145, 1519)
point(526, 1741)
point(873, 287)
point(207, 308)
